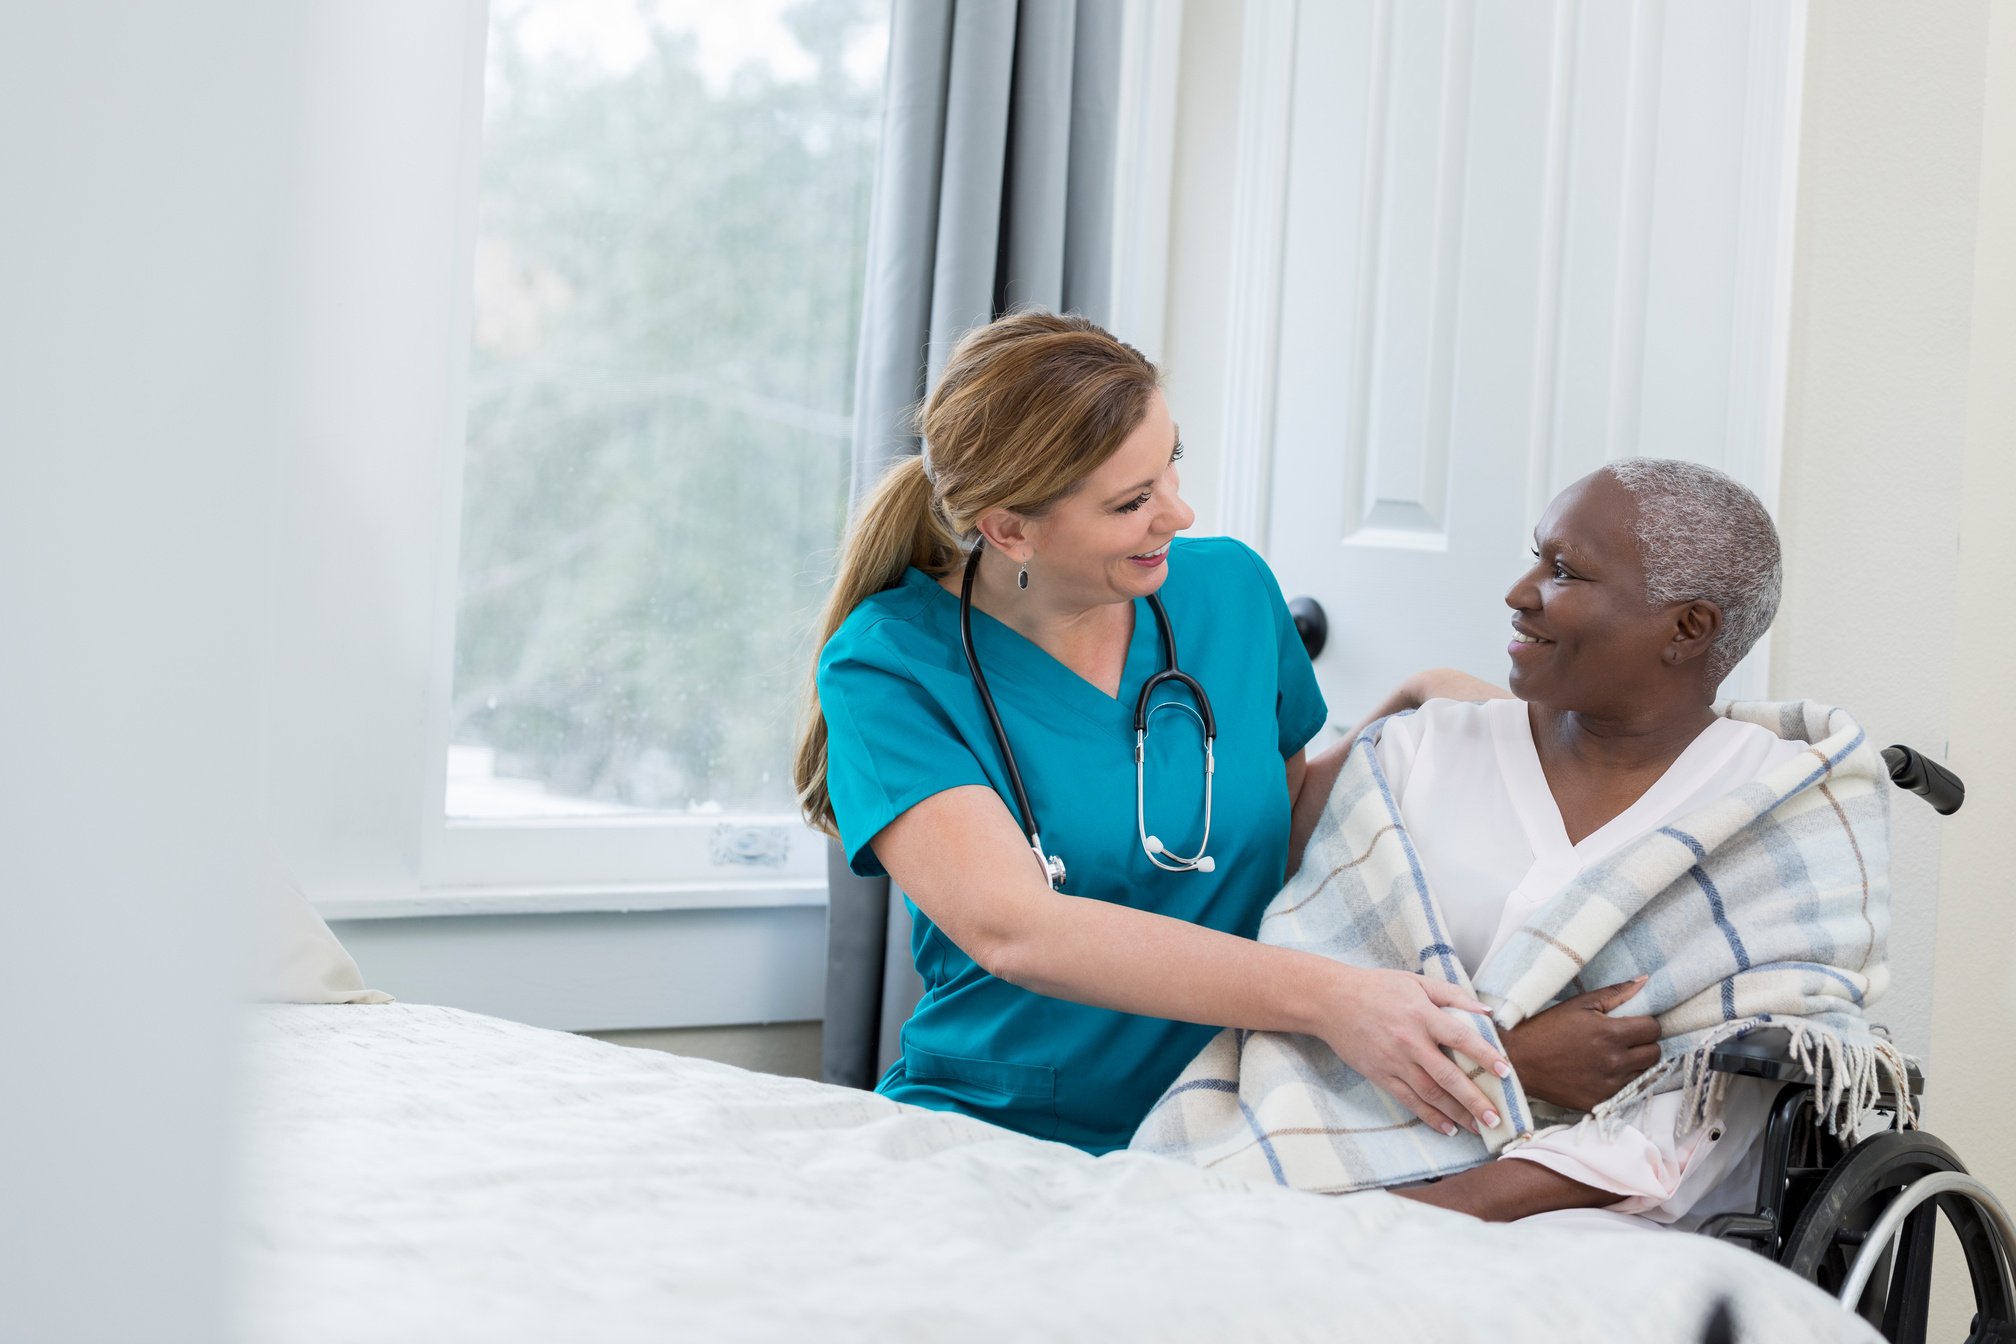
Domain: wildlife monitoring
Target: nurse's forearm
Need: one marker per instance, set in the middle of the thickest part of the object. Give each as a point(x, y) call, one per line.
point(1390, 1026)
point(1113, 956)
point(1501, 1191)
point(961, 858)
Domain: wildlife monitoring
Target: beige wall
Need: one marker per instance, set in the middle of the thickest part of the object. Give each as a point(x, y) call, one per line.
point(1974, 1010)
point(1902, 416)
point(1899, 420)
point(1876, 407)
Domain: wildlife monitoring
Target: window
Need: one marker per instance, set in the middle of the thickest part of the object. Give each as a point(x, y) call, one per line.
point(671, 230)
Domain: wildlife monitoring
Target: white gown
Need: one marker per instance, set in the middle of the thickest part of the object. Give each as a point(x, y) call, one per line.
point(1468, 782)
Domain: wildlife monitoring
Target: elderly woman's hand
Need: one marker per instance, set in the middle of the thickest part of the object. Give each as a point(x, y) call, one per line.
point(1576, 1055)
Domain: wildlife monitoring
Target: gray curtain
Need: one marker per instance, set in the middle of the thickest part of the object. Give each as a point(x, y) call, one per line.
point(994, 189)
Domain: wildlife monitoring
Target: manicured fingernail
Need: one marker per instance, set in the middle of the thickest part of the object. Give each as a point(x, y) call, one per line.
point(1502, 1069)
point(1490, 1119)
point(1448, 1130)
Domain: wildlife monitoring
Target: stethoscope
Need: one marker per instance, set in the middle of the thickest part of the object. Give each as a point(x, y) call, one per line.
point(1158, 854)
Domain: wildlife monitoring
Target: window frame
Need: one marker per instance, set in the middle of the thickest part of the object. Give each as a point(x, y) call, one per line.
point(649, 861)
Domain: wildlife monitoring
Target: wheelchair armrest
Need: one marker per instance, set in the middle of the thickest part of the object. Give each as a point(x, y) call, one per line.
point(1766, 1053)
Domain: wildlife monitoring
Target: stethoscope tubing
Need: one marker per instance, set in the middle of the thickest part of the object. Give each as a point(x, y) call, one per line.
point(1053, 867)
point(1176, 863)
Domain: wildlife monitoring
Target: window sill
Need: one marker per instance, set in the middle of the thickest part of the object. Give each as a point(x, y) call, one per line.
point(596, 898)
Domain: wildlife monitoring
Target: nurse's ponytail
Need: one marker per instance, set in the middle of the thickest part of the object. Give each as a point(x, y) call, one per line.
point(1027, 407)
point(898, 525)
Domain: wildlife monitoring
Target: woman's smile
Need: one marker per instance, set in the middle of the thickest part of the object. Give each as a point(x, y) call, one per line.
point(1151, 559)
point(1524, 642)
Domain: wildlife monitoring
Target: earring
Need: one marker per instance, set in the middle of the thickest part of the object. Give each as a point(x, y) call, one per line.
point(1022, 578)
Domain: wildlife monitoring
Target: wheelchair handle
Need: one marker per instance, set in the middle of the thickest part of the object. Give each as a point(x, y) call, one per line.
point(1925, 777)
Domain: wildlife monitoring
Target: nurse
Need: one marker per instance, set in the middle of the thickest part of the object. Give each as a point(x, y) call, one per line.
point(1064, 1013)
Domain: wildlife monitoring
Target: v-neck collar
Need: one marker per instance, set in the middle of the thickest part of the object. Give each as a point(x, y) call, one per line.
point(1540, 816)
point(1009, 656)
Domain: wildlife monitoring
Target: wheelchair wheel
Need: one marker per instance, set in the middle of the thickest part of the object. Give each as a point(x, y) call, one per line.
point(1837, 1220)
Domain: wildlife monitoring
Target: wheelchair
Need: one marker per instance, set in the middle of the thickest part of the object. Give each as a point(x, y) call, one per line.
point(1859, 1220)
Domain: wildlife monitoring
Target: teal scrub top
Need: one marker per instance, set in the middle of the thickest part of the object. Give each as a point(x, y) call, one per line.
point(904, 722)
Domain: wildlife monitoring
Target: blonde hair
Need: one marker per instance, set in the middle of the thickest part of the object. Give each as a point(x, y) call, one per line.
point(1028, 406)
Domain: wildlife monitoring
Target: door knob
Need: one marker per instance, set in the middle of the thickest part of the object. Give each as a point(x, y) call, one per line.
point(1310, 623)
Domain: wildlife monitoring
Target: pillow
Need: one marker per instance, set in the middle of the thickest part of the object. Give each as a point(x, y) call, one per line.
point(300, 960)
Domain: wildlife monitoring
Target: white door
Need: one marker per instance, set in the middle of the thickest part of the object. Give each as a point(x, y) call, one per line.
point(1514, 240)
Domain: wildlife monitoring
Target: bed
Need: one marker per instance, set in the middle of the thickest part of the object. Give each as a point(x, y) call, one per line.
point(419, 1173)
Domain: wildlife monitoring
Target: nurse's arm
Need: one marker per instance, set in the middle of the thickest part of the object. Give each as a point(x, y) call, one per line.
point(1309, 790)
point(960, 856)
point(1310, 780)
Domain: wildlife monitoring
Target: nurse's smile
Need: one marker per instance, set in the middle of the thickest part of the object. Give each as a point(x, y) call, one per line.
point(1153, 558)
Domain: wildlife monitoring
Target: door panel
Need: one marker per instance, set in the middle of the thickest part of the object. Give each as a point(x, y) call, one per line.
point(1517, 241)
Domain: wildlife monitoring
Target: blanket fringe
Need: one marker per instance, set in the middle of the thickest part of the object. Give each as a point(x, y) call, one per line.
point(1847, 1077)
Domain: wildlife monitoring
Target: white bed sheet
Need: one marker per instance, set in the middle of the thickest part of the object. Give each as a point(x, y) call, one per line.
point(428, 1175)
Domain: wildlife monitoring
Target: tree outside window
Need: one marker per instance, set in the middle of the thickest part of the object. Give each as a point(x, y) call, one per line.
point(672, 225)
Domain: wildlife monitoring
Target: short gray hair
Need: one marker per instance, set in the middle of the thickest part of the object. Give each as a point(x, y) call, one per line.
point(1704, 535)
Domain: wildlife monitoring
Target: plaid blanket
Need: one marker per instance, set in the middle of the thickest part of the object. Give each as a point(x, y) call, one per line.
point(1768, 906)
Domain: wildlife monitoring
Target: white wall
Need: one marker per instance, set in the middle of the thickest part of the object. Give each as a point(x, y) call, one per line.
point(604, 970)
point(143, 263)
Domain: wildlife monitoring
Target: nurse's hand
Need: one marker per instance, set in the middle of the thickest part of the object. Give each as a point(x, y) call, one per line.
point(1436, 683)
point(1390, 1027)
point(1448, 683)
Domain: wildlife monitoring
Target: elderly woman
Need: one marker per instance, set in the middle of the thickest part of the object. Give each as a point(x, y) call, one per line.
point(1576, 835)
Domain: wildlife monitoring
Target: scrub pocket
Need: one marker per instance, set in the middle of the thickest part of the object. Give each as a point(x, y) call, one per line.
point(1021, 1097)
